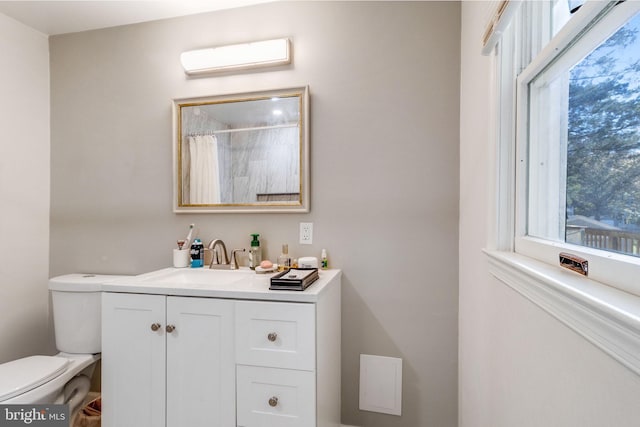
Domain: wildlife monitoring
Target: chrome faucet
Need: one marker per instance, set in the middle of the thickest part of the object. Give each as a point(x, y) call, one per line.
point(219, 258)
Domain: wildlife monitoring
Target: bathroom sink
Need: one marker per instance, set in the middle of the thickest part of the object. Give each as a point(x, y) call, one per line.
point(195, 277)
point(205, 283)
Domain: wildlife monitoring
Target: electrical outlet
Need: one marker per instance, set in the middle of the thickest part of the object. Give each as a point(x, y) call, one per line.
point(306, 233)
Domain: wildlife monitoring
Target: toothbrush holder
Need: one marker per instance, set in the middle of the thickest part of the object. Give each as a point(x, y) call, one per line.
point(181, 258)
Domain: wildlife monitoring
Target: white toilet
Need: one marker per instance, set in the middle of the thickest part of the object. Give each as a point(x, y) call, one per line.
point(65, 377)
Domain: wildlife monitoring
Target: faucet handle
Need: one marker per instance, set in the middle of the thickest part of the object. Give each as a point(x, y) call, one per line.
point(234, 258)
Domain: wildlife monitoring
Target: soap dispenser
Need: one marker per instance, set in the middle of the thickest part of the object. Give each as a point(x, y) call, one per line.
point(255, 253)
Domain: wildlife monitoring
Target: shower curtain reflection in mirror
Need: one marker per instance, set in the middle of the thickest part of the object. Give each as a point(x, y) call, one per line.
point(201, 162)
point(241, 167)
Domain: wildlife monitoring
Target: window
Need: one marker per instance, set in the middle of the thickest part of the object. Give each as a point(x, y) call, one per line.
point(567, 129)
point(578, 149)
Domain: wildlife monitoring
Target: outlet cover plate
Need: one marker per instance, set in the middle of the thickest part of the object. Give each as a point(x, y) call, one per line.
point(306, 233)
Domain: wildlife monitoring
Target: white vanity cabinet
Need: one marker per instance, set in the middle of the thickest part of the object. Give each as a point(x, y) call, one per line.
point(167, 361)
point(246, 358)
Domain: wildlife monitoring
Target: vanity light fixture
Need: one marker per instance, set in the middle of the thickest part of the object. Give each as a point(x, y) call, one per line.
point(237, 57)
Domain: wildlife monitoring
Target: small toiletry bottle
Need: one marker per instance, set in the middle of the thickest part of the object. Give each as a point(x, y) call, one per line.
point(324, 263)
point(197, 254)
point(255, 253)
point(284, 260)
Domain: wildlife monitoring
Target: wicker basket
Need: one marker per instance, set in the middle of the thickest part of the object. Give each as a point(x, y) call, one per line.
point(90, 415)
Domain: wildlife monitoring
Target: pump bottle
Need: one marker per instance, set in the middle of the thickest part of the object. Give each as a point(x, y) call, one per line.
point(255, 253)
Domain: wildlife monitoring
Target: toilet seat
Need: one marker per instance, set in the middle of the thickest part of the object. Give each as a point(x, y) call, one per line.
point(20, 376)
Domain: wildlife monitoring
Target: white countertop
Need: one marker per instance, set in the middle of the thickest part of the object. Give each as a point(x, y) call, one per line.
point(232, 284)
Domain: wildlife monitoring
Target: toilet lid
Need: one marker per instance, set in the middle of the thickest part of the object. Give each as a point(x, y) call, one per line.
point(22, 375)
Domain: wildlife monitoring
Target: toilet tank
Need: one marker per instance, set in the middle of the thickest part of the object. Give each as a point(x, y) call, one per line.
point(76, 300)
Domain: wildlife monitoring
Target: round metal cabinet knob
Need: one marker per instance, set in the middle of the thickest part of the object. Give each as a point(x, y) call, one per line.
point(170, 328)
point(155, 326)
point(272, 337)
point(273, 401)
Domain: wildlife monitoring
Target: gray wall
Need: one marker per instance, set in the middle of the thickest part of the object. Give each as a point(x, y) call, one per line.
point(24, 191)
point(519, 366)
point(384, 84)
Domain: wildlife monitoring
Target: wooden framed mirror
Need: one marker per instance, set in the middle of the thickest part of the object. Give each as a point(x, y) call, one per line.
point(242, 153)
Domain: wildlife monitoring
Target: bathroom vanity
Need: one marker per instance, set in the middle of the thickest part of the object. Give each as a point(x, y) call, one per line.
point(199, 347)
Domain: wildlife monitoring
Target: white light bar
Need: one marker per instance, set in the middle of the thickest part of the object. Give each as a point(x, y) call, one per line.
point(237, 57)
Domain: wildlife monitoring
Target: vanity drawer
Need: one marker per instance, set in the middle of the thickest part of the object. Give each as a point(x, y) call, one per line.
point(274, 334)
point(275, 397)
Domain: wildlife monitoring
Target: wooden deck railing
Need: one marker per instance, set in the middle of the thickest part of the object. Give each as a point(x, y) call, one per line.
point(612, 240)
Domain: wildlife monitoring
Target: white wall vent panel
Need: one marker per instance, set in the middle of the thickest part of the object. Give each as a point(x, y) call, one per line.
point(381, 384)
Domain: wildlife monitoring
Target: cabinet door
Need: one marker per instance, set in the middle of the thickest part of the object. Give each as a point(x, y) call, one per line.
point(133, 360)
point(200, 362)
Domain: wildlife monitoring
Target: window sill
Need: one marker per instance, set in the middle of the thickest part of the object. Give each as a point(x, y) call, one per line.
point(605, 316)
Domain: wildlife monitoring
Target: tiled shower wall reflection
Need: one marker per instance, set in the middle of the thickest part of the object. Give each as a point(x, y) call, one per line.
point(258, 162)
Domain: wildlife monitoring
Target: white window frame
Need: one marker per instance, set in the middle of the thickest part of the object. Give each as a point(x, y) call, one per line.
point(605, 307)
point(618, 270)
